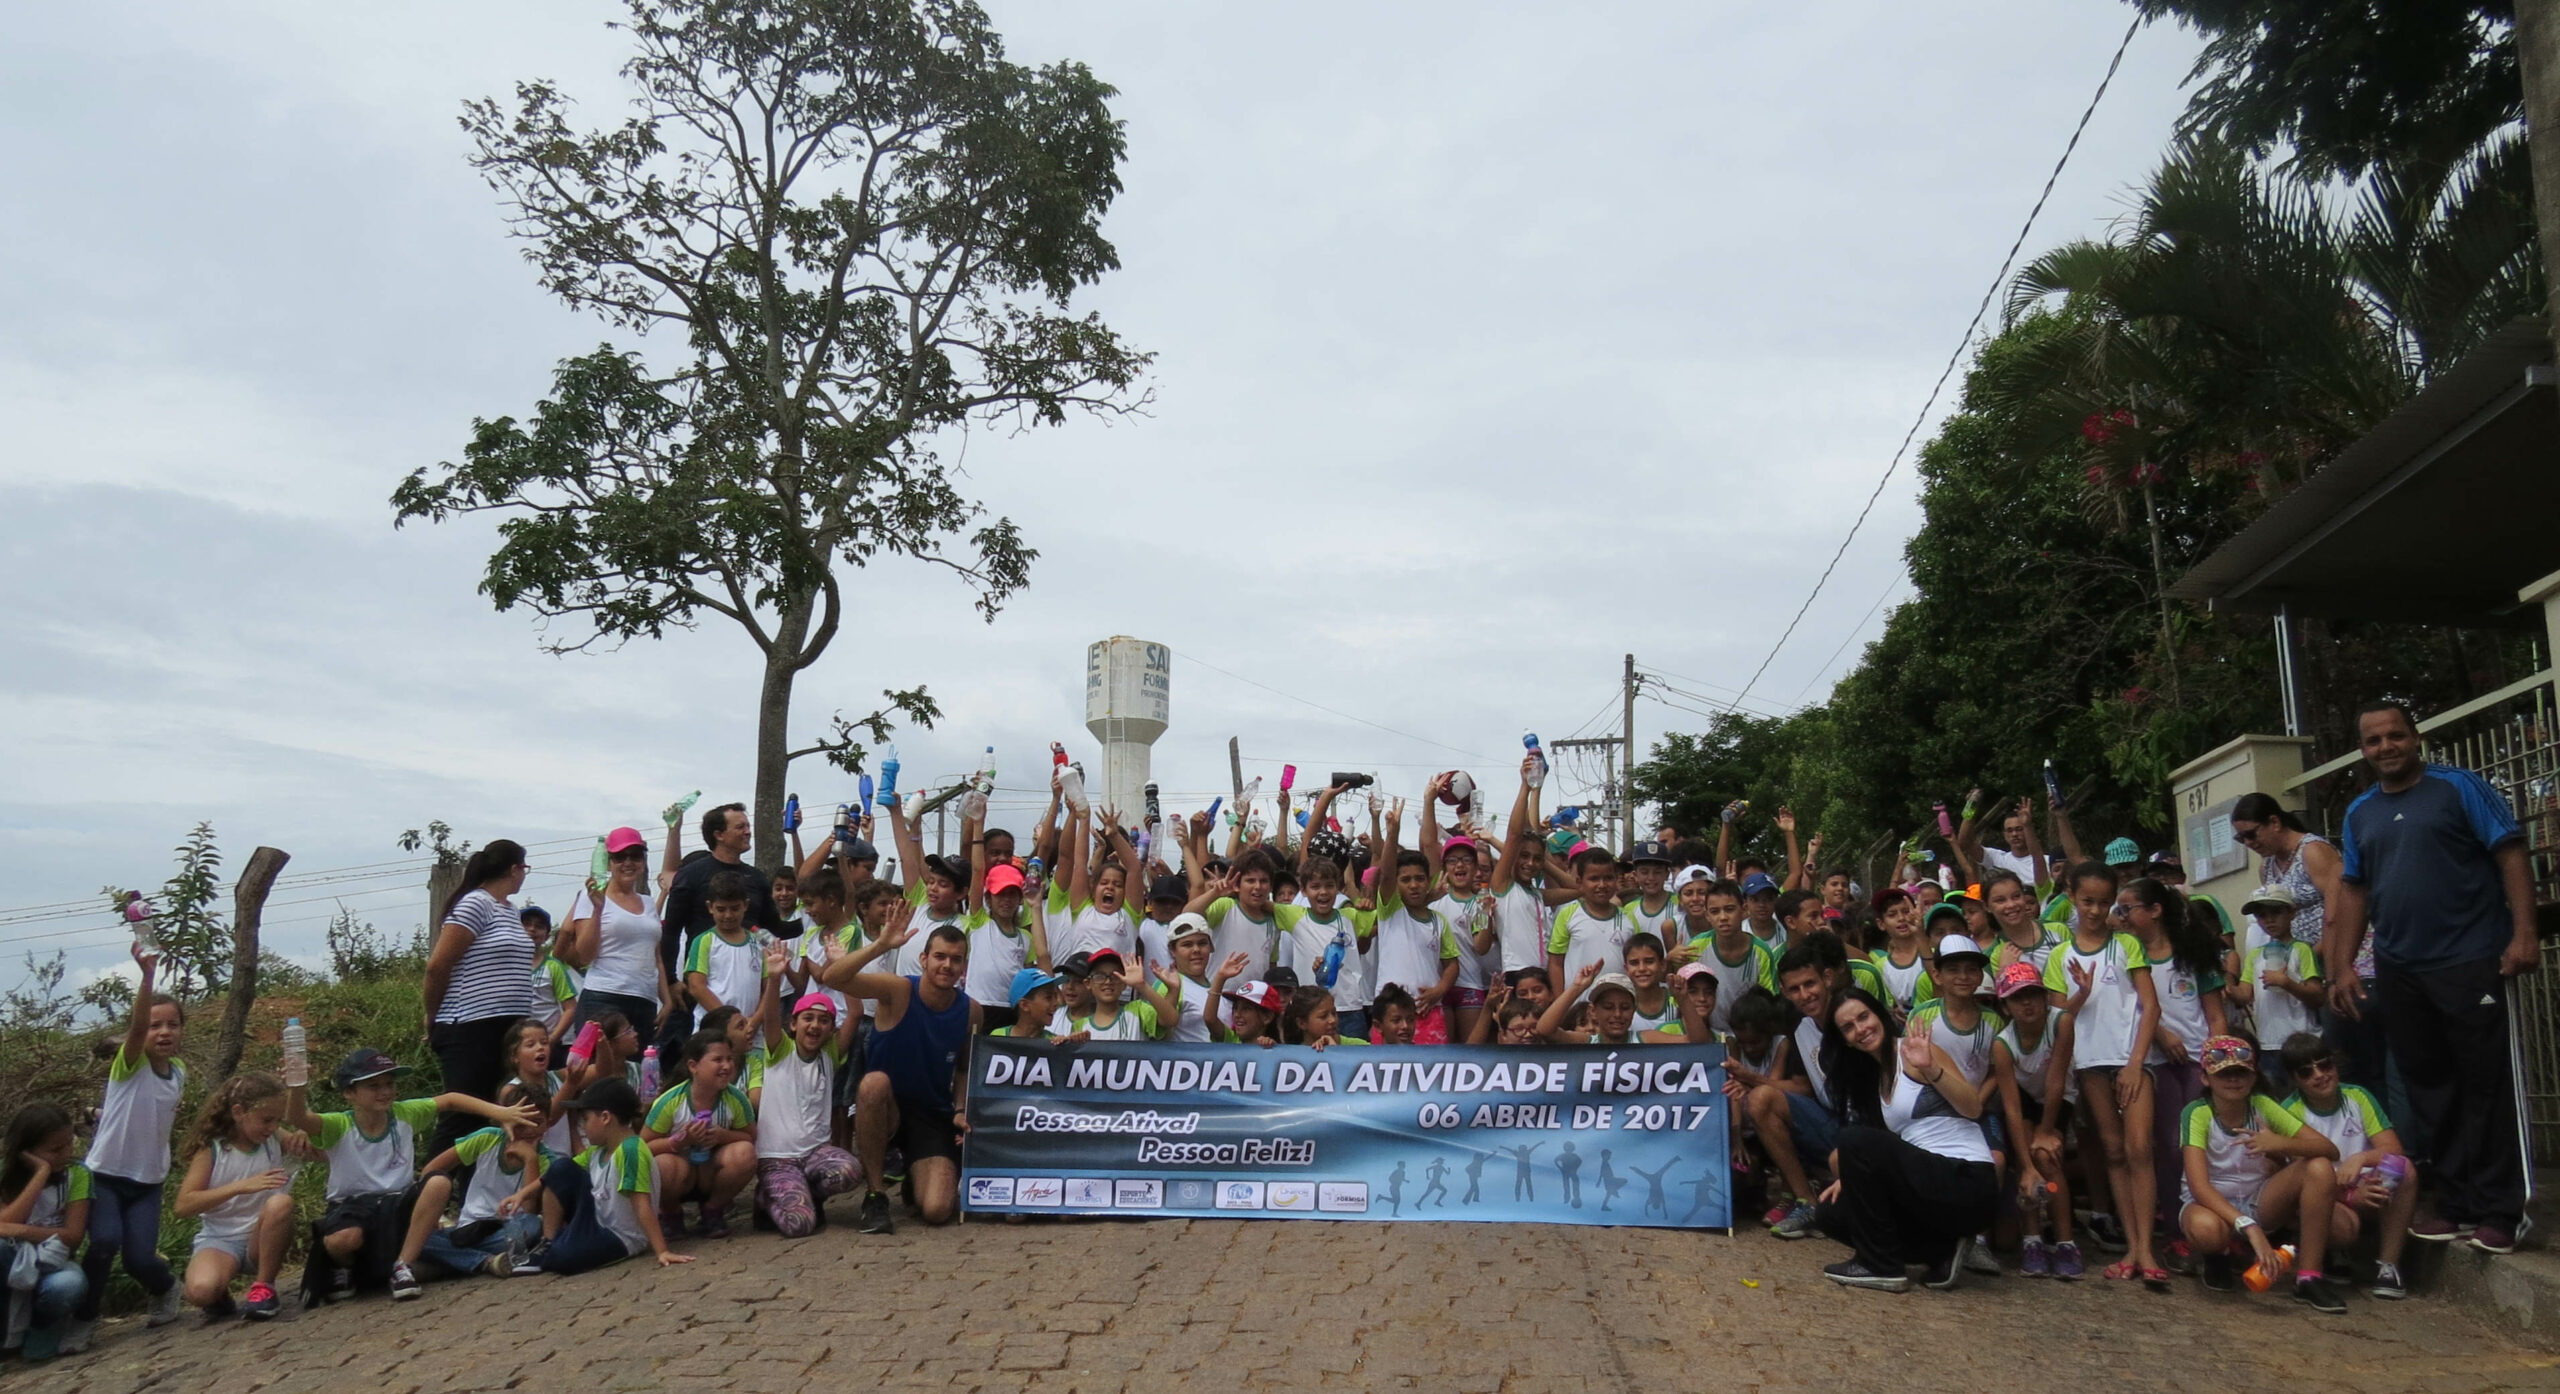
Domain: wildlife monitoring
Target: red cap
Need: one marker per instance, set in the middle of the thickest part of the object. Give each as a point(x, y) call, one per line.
point(1003, 876)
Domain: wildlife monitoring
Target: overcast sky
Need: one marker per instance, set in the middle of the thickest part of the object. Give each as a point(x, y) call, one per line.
point(1495, 341)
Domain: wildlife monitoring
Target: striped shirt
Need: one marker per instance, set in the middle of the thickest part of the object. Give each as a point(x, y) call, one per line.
point(493, 974)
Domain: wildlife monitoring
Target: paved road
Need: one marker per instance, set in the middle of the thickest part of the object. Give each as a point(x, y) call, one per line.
point(1211, 1306)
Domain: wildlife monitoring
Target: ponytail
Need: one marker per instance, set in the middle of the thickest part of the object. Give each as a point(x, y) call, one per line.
point(485, 866)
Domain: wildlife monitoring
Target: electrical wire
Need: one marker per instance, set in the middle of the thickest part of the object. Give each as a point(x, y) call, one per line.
point(1997, 280)
point(1854, 631)
point(1319, 706)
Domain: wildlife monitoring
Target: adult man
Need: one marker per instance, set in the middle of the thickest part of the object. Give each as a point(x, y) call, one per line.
point(685, 914)
point(2433, 862)
point(1793, 1113)
point(912, 1089)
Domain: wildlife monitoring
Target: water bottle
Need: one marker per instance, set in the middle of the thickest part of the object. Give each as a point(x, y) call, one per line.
point(583, 1049)
point(676, 811)
point(1146, 846)
point(1154, 812)
point(1332, 968)
point(862, 790)
point(1946, 824)
point(297, 1054)
point(649, 1080)
point(889, 772)
point(844, 821)
point(699, 1155)
point(2052, 784)
point(987, 772)
point(1057, 755)
point(2267, 1272)
point(2394, 1169)
point(600, 866)
point(1538, 771)
point(1252, 792)
point(1071, 787)
point(791, 813)
point(1288, 777)
point(1214, 805)
point(137, 912)
point(1475, 803)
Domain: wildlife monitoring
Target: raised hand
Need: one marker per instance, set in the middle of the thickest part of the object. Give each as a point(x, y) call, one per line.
point(776, 958)
point(1590, 974)
point(1233, 968)
point(1919, 1057)
point(1786, 819)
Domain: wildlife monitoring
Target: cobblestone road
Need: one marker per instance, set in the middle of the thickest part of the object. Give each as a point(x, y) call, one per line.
point(1206, 1306)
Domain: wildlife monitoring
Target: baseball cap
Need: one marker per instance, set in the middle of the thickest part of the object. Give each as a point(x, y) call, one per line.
point(1077, 966)
point(1461, 840)
point(531, 911)
point(1185, 925)
point(2019, 977)
point(1757, 882)
point(1649, 850)
point(2226, 1053)
point(365, 1063)
point(1027, 981)
point(1093, 962)
point(1942, 911)
point(1960, 946)
point(1687, 874)
point(814, 1002)
point(2124, 851)
point(854, 849)
point(1174, 888)
point(1257, 992)
point(623, 840)
point(1620, 981)
point(1687, 971)
point(1283, 977)
point(611, 1094)
point(1004, 876)
point(1586, 851)
point(2274, 897)
point(2165, 857)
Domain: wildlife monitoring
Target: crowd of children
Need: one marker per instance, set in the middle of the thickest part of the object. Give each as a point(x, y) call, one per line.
point(1912, 1073)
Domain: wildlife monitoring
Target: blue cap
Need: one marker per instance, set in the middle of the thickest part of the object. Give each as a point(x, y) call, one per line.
point(1757, 882)
point(2124, 851)
point(1028, 981)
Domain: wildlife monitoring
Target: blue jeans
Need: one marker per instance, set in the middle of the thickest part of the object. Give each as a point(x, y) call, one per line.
point(1812, 1128)
point(56, 1294)
point(1352, 1024)
point(583, 1242)
point(466, 1257)
point(124, 1218)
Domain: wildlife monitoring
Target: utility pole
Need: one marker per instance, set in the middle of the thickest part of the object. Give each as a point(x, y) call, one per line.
point(1627, 765)
point(2537, 35)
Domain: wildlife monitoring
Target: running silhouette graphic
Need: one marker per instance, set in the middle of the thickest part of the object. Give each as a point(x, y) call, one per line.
point(1702, 1192)
point(1433, 1173)
point(1610, 1181)
point(1395, 1191)
point(1524, 1183)
point(1475, 1178)
point(1569, 1166)
point(1653, 1197)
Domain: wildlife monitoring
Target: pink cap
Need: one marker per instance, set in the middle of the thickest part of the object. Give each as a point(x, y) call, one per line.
point(1004, 876)
point(1453, 844)
point(814, 1001)
point(1690, 970)
point(623, 840)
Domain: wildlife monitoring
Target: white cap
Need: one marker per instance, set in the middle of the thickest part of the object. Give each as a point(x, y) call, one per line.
point(1687, 874)
point(1961, 944)
point(1183, 927)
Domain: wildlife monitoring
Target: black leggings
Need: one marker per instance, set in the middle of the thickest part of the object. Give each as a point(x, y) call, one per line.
point(474, 1057)
point(1901, 1205)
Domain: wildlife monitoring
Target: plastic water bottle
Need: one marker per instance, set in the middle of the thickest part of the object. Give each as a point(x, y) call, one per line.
point(1252, 791)
point(2052, 783)
point(1288, 777)
point(1538, 771)
point(791, 813)
point(583, 1049)
point(1214, 805)
point(986, 779)
point(137, 912)
point(2394, 1169)
point(2266, 1273)
point(1946, 824)
point(1070, 781)
point(1155, 812)
point(889, 772)
point(297, 1054)
point(699, 1155)
point(1332, 968)
point(1057, 755)
point(677, 810)
point(649, 1075)
point(600, 866)
point(862, 791)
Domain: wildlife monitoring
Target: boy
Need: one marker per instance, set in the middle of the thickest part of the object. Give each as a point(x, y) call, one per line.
point(1955, 1022)
point(1766, 912)
point(1590, 926)
point(725, 966)
point(1417, 951)
point(1520, 910)
point(1645, 890)
point(555, 984)
point(2228, 1138)
point(2374, 1174)
point(1395, 1015)
point(1003, 939)
point(1149, 1018)
point(1166, 895)
point(501, 1210)
point(1034, 995)
point(938, 887)
point(372, 1196)
point(1727, 951)
point(1241, 922)
point(1323, 943)
point(799, 1165)
point(598, 1207)
point(2280, 980)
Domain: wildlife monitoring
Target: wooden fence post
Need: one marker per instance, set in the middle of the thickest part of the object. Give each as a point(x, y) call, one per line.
point(248, 902)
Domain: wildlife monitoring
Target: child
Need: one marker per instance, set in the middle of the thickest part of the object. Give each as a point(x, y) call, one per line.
point(725, 966)
point(1323, 942)
point(2186, 975)
point(1149, 1018)
point(1589, 925)
point(599, 1207)
point(2023, 937)
point(235, 1190)
point(1956, 1024)
point(2044, 1185)
point(501, 1217)
point(2369, 1181)
point(1613, 1010)
point(829, 924)
point(1034, 995)
point(556, 985)
point(2251, 1165)
point(1188, 940)
point(1417, 948)
point(1475, 925)
point(1249, 1012)
point(1311, 1020)
point(2101, 980)
point(372, 1147)
point(1532, 988)
point(798, 1166)
point(1725, 949)
point(530, 1050)
point(129, 1158)
point(1394, 1015)
point(1755, 1039)
point(1902, 962)
point(1003, 939)
point(2280, 980)
point(1657, 1006)
point(1643, 889)
point(702, 1133)
point(1242, 921)
point(44, 1205)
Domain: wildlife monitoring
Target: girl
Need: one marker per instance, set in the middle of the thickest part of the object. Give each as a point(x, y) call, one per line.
point(702, 1134)
point(612, 937)
point(1916, 1181)
point(129, 1156)
point(1311, 1020)
point(1657, 1007)
point(1247, 1015)
point(2250, 1165)
point(797, 1168)
point(2023, 938)
point(1613, 1010)
point(235, 1188)
point(528, 1058)
point(2044, 1186)
point(2369, 1181)
point(44, 1204)
point(501, 1203)
point(2184, 944)
point(1901, 963)
point(2101, 980)
point(599, 1207)
point(1147, 1019)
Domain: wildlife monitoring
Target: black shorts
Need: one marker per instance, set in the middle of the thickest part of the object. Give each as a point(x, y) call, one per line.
point(367, 1210)
point(926, 1131)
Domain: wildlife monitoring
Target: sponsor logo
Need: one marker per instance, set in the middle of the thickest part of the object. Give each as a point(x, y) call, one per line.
point(1194, 1193)
point(1293, 1195)
point(1342, 1197)
point(1135, 1194)
point(1039, 1190)
point(1088, 1190)
point(991, 1190)
point(1239, 1195)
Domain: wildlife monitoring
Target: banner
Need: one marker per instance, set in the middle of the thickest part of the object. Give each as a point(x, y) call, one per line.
point(1559, 1135)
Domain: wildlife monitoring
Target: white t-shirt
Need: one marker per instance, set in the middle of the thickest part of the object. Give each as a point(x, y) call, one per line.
point(1808, 1052)
point(1521, 923)
point(994, 957)
point(134, 1121)
point(626, 947)
point(1734, 979)
point(1475, 971)
point(1088, 929)
point(1657, 923)
point(1232, 931)
point(733, 972)
point(485, 1152)
point(1304, 939)
point(2181, 1008)
point(2002, 859)
point(234, 1218)
point(361, 1165)
point(1584, 937)
point(622, 1178)
point(793, 1114)
point(1411, 949)
point(1190, 1026)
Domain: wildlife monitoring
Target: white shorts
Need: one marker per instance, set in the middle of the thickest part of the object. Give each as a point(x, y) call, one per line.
point(236, 1245)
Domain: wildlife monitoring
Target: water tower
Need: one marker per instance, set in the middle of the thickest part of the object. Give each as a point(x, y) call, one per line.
point(1128, 686)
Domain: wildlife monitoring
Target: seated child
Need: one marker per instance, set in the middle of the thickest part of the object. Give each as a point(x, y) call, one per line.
point(2252, 1165)
point(599, 1207)
point(44, 1207)
point(798, 1167)
point(501, 1217)
point(235, 1188)
point(2374, 1174)
point(702, 1132)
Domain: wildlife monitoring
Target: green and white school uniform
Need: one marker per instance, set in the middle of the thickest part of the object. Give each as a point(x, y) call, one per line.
point(1971, 1050)
point(1305, 938)
point(1136, 1021)
point(1412, 945)
point(485, 1152)
point(995, 955)
point(1668, 1019)
point(2102, 1038)
point(2234, 1170)
point(2279, 1013)
point(909, 959)
point(1757, 968)
point(734, 971)
point(555, 985)
point(2352, 1126)
point(136, 1117)
point(1585, 936)
point(730, 1110)
point(362, 1163)
point(1906, 985)
point(1232, 931)
point(1087, 929)
point(623, 1180)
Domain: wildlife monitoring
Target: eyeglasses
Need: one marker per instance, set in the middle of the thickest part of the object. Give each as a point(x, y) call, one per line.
point(2316, 1067)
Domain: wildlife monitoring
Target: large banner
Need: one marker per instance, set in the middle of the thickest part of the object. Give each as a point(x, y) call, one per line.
point(1563, 1135)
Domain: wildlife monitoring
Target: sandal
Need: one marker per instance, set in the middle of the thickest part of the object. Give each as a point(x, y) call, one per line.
point(2119, 1271)
point(2157, 1279)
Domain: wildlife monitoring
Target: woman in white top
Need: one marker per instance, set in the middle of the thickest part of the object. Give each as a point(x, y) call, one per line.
point(475, 980)
point(612, 936)
point(1916, 1177)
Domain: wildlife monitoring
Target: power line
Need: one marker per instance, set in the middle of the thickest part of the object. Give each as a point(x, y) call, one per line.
point(1329, 711)
point(1957, 356)
point(1854, 631)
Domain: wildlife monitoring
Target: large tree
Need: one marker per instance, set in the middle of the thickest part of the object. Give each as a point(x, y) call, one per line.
point(855, 227)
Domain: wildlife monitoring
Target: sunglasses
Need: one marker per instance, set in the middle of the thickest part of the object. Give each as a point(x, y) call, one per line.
point(2316, 1067)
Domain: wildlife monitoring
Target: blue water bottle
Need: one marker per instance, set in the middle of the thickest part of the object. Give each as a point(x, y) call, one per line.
point(862, 788)
point(1332, 962)
point(791, 813)
point(888, 772)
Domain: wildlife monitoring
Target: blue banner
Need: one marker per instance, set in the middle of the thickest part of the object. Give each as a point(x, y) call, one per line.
point(1560, 1135)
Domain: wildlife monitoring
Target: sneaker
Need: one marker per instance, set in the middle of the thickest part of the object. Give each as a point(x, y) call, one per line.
point(498, 1265)
point(2388, 1284)
point(1797, 1224)
point(2106, 1233)
point(342, 1285)
point(405, 1284)
point(1786, 1206)
point(1853, 1274)
point(2320, 1295)
point(42, 1344)
point(164, 1308)
point(262, 1302)
point(875, 1215)
point(1978, 1257)
point(2033, 1259)
point(2066, 1261)
point(1942, 1275)
point(2493, 1239)
point(2217, 1273)
point(529, 1262)
point(76, 1335)
point(2435, 1229)
point(222, 1309)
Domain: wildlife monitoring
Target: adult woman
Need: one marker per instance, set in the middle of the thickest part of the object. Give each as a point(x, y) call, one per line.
point(612, 934)
point(475, 981)
point(2296, 858)
point(1916, 1178)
